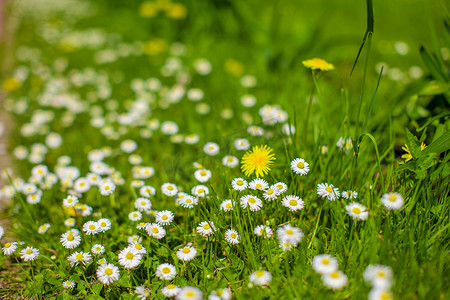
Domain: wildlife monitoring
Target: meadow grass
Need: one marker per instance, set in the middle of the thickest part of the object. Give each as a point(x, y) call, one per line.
point(107, 94)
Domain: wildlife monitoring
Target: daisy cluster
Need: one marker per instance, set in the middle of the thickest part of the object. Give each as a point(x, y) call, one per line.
point(148, 196)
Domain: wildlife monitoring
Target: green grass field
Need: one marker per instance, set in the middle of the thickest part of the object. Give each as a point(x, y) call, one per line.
point(226, 149)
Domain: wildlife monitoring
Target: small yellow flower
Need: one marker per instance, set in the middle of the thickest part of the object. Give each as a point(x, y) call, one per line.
point(11, 84)
point(148, 9)
point(234, 67)
point(258, 161)
point(318, 64)
point(154, 46)
point(176, 11)
point(408, 156)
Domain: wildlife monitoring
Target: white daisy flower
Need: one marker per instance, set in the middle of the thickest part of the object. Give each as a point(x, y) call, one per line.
point(224, 294)
point(285, 246)
point(290, 234)
point(129, 258)
point(326, 190)
point(281, 186)
point(135, 216)
point(392, 200)
point(239, 184)
point(189, 293)
point(155, 230)
point(349, 194)
point(241, 144)
point(259, 184)
point(68, 284)
point(70, 201)
point(230, 161)
point(186, 201)
point(324, 264)
point(134, 239)
point(293, 203)
point(252, 202)
point(142, 292)
point(335, 280)
point(227, 205)
point(138, 247)
point(43, 228)
point(206, 228)
point(232, 236)
point(211, 148)
point(107, 273)
point(9, 248)
point(164, 217)
point(379, 276)
point(104, 224)
point(300, 166)
point(98, 249)
point(107, 188)
point(271, 194)
point(77, 258)
point(357, 211)
point(263, 230)
point(147, 191)
point(91, 227)
point(169, 189)
point(202, 175)
point(186, 253)
point(70, 240)
point(260, 277)
point(166, 271)
point(142, 204)
point(170, 290)
point(200, 191)
point(70, 222)
point(380, 294)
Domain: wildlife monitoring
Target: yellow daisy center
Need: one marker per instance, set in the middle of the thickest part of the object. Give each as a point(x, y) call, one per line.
point(206, 226)
point(325, 261)
point(252, 200)
point(334, 274)
point(239, 182)
point(108, 271)
point(329, 189)
point(290, 232)
point(129, 255)
point(203, 173)
point(138, 246)
point(170, 188)
point(190, 294)
point(233, 235)
point(293, 202)
point(103, 224)
point(259, 273)
point(356, 210)
point(186, 250)
point(7, 245)
point(91, 227)
point(165, 217)
point(171, 286)
point(300, 165)
point(165, 270)
point(79, 256)
point(155, 230)
point(392, 198)
point(70, 237)
point(228, 205)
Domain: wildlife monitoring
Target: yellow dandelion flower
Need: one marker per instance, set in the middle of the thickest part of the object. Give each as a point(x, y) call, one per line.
point(148, 9)
point(318, 64)
point(176, 11)
point(258, 161)
point(408, 156)
point(11, 84)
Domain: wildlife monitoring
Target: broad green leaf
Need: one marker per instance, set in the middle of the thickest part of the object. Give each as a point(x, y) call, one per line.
point(444, 114)
point(413, 144)
point(438, 146)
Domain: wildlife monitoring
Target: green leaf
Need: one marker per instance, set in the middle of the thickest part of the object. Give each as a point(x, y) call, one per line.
point(432, 65)
point(97, 288)
point(434, 88)
point(413, 144)
point(438, 146)
point(444, 114)
point(426, 161)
